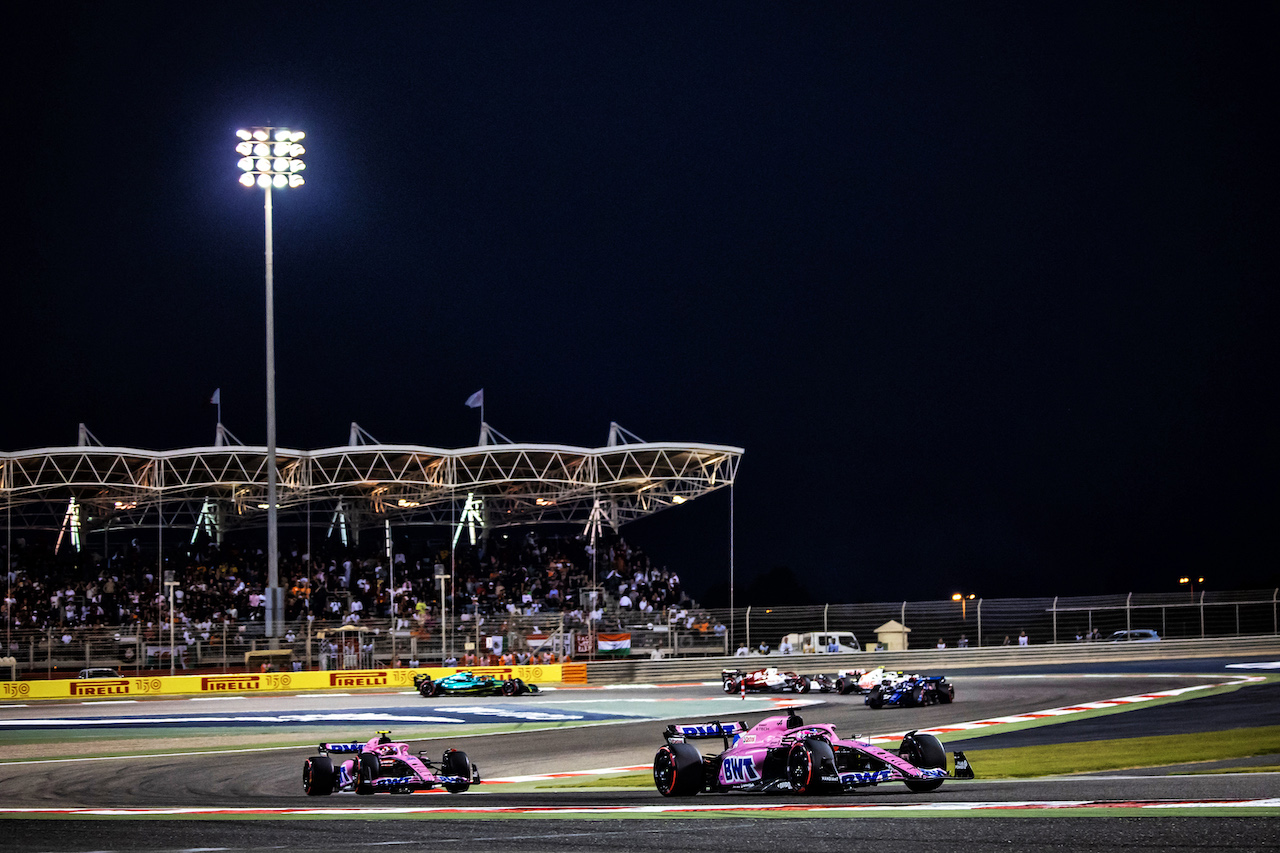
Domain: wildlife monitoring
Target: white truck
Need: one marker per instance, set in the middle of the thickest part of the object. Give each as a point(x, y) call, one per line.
point(821, 641)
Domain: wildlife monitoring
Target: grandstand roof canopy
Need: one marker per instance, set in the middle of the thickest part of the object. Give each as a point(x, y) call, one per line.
point(517, 484)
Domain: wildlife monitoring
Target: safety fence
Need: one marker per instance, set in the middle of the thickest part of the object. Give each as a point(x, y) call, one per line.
point(543, 638)
point(979, 623)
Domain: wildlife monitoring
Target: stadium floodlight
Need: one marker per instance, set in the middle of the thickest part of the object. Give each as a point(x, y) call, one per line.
point(270, 158)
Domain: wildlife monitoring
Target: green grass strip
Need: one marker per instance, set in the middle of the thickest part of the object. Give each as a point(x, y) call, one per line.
point(1124, 753)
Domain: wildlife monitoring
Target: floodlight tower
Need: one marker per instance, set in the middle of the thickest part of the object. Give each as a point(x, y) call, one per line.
point(270, 159)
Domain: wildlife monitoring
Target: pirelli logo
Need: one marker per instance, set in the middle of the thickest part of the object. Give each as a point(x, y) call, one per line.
point(358, 679)
point(229, 683)
point(100, 687)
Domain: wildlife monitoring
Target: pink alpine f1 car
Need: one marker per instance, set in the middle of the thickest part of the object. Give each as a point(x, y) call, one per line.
point(782, 753)
point(384, 766)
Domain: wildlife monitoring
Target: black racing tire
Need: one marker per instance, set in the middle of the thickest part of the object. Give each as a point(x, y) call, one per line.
point(804, 766)
point(436, 689)
point(805, 686)
point(678, 770)
point(318, 776)
point(366, 772)
point(510, 687)
point(946, 692)
point(426, 688)
point(875, 699)
point(455, 763)
point(730, 685)
point(925, 752)
point(844, 686)
point(916, 698)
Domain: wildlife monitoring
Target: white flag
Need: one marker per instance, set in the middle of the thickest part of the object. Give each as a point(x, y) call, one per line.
point(217, 397)
point(476, 400)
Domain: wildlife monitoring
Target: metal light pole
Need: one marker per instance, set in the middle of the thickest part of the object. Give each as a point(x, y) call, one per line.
point(269, 158)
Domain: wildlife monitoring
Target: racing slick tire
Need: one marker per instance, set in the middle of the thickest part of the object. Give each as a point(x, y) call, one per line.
point(875, 699)
point(426, 688)
point(366, 772)
point(455, 763)
point(730, 685)
point(803, 685)
point(946, 692)
point(677, 770)
point(510, 687)
point(318, 776)
point(925, 752)
point(916, 698)
point(805, 765)
point(844, 686)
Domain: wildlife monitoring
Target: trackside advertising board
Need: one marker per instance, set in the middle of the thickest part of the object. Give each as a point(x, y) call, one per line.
point(89, 689)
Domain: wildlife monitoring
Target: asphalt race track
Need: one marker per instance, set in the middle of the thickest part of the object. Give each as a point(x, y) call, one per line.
point(615, 728)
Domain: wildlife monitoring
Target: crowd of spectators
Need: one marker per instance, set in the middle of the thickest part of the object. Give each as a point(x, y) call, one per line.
point(220, 587)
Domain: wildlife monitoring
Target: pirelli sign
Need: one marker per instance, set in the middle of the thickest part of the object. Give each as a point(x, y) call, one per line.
point(231, 683)
point(359, 678)
point(101, 687)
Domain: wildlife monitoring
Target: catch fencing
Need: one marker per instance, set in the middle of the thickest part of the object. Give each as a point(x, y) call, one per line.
point(694, 634)
point(980, 623)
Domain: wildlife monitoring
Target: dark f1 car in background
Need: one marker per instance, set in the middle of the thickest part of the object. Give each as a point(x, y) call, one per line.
point(911, 691)
point(470, 684)
point(772, 680)
point(782, 753)
point(382, 765)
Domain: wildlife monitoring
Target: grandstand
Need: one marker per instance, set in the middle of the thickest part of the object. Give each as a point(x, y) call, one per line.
point(362, 485)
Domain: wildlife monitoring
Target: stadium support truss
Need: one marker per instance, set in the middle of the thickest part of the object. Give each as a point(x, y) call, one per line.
point(89, 488)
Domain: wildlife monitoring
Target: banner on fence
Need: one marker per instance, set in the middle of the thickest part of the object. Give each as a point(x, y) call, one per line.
point(613, 644)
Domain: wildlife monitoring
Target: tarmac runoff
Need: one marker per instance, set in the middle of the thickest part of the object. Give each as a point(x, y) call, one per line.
point(1269, 806)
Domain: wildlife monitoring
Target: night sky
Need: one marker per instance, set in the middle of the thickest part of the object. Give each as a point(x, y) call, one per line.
point(987, 291)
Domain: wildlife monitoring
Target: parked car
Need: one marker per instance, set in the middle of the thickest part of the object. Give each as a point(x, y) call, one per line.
point(783, 754)
point(98, 672)
point(822, 641)
point(382, 765)
point(1137, 635)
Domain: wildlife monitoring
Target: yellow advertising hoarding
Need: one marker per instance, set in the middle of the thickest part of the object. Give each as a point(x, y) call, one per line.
point(266, 682)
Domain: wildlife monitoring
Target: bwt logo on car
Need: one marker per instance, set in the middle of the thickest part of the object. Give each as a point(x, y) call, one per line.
point(740, 769)
point(367, 679)
point(101, 687)
point(223, 683)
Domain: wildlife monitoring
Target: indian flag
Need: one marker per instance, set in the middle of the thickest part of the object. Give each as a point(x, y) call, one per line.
point(614, 644)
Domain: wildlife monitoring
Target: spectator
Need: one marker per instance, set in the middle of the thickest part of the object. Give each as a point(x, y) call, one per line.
point(1023, 639)
point(742, 651)
point(784, 648)
point(942, 644)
